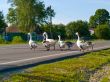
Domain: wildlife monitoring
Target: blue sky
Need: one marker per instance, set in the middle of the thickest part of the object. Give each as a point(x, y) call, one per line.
point(69, 10)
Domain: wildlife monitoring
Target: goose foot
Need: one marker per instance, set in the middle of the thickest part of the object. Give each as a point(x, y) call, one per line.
point(54, 47)
point(61, 49)
point(48, 49)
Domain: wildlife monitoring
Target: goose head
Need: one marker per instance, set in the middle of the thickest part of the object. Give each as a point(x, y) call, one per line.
point(44, 33)
point(59, 36)
point(30, 36)
point(77, 33)
point(29, 33)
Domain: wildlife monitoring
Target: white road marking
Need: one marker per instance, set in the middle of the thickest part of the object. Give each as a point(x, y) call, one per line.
point(23, 60)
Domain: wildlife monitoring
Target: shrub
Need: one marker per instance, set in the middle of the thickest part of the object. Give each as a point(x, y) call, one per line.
point(11, 35)
point(1, 40)
point(17, 39)
point(102, 32)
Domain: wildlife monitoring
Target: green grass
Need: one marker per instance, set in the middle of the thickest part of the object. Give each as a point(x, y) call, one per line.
point(106, 77)
point(69, 70)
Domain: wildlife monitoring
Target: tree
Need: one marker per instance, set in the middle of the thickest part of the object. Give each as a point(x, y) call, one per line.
point(93, 21)
point(11, 16)
point(29, 14)
point(49, 14)
point(57, 29)
point(77, 26)
point(102, 31)
point(101, 17)
point(2, 23)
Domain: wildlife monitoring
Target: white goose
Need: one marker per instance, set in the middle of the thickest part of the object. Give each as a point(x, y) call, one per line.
point(32, 43)
point(48, 42)
point(61, 43)
point(83, 45)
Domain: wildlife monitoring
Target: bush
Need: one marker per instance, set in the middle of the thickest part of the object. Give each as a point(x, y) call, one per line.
point(102, 32)
point(17, 39)
point(11, 35)
point(1, 40)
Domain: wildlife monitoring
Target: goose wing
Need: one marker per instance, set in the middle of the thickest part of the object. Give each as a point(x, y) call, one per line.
point(33, 44)
point(70, 44)
point(61, 43)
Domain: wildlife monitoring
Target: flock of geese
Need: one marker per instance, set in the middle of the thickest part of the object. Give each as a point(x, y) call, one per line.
point(82, 44)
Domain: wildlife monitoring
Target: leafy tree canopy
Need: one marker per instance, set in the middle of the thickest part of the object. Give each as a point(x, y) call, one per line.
point(101, 17)
point(29, 14)
point(77, 26)
point(102, 31)
point(11, 16)
point(57, 29)
point(2, 23)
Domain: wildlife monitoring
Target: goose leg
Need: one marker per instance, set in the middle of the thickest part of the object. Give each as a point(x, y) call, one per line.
point(54, 47)
point(61, 49)
point(92, 47)
point(31, 48)
point(34, 49)
point(48, 47)
point(82, 50)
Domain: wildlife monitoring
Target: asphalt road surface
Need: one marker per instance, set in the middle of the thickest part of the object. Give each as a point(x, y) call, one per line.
point(18, 55)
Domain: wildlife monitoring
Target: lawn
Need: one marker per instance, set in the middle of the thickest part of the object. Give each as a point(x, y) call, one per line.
point(77, 69)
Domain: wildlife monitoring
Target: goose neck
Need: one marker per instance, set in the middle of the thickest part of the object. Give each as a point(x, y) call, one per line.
point(46, 36)
point(30, 36)
point(78, 37)
point(59, 38)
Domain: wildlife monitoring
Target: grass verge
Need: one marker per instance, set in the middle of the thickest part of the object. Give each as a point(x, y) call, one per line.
point(69, 70)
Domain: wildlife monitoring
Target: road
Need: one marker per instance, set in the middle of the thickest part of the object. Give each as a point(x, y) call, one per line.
point(19, 55)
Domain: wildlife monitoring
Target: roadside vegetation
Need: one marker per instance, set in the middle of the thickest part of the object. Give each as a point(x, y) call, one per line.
point(79, 69)
point(39, 19)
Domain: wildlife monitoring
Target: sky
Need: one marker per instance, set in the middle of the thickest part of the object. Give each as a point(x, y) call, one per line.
point(69, 10)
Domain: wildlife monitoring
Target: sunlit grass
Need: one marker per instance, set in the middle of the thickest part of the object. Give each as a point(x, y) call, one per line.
point(106, 77)
point(69, 70)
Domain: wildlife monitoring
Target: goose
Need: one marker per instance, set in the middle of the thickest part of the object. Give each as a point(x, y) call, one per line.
point(69, 44)
point(32, 43)
point(61, 43)
point(48, 42)
point(83, 44)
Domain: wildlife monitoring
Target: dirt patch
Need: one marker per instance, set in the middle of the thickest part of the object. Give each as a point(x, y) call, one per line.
point(99, 74)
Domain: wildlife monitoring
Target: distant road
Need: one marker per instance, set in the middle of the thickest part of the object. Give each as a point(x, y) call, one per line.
point(20, 55)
